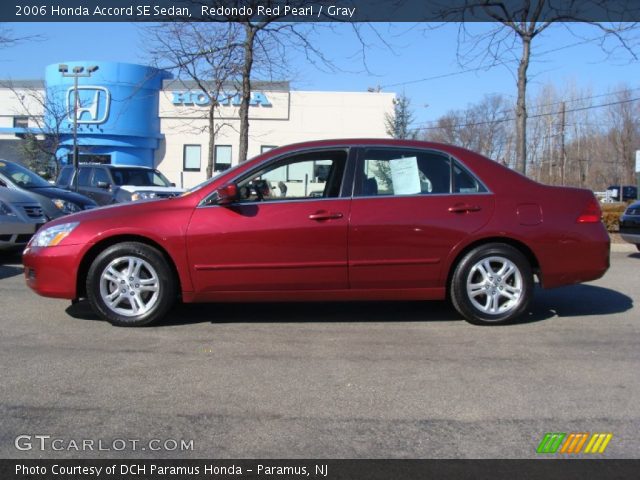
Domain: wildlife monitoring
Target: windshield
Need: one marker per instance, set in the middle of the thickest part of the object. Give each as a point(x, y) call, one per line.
point(21, 176)
point(139, 177)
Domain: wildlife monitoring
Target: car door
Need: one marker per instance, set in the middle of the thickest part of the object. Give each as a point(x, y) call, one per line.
point(288, 231)
point(410, 209)
point(100, 187)
point(84, 181)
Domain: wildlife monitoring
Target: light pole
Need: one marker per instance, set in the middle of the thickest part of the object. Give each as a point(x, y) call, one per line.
point(76, 73)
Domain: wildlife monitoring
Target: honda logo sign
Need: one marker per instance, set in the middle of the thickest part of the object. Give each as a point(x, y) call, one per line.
point(93, 104)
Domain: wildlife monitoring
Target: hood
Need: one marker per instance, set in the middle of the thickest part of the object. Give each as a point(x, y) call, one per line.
point(151, 188)
point(10, 195)
point(55, 192)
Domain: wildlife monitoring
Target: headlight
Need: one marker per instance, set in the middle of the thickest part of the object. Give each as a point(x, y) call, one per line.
point(6, 210)
point(66, 206)
point(51, 236)
point(142, 196)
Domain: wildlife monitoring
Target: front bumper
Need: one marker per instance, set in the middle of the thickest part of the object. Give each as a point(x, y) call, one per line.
point(16, 234)
point(52, 271)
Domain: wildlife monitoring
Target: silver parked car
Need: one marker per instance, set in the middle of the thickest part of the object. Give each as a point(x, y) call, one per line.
point(20, 216)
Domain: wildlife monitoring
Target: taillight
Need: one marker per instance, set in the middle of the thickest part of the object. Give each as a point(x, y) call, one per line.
point(591, 213)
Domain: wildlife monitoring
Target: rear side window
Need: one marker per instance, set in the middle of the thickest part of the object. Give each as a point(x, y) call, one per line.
point(404, 172)
point(100, 175)
point(464, 182)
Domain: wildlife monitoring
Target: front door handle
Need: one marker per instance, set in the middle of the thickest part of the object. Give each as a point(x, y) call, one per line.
point(324, 215)
point(464, 208)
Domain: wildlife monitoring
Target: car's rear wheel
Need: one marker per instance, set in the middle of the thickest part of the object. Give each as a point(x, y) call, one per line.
point(492, 284)
point(130, 284)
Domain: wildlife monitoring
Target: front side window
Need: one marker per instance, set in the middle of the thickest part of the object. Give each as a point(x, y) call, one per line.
point(65, 176)
point(83, 177)
point(302, 176)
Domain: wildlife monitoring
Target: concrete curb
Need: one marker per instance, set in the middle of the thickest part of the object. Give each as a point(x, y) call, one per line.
point(623, 247)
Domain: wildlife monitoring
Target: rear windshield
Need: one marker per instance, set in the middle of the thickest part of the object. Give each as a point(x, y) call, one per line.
point(139, 177)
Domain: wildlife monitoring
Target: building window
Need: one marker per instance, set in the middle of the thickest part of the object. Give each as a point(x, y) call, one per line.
point(20, 122)
point(222, 157)
point(266, 148)
point(191, 158)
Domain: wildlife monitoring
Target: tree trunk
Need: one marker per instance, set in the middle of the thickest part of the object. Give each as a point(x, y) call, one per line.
point(563, 153)
point(521, 107)
point(245, 94)
point(211, 159)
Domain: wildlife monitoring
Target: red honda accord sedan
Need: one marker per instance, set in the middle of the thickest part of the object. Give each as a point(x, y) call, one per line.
point(330, 220)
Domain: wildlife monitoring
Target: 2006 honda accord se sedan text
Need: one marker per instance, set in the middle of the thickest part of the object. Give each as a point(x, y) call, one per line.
point(330, 220)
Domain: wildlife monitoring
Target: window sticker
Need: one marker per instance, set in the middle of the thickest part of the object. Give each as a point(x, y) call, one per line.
point(405, 176)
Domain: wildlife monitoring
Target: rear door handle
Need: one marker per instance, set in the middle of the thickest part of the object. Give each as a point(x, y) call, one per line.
point(464, 208)
point(324, 215)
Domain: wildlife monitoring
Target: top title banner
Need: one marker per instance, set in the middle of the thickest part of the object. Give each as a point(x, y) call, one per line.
point(317, 11)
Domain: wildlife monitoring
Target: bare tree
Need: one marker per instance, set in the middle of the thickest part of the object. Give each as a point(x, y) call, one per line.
point(9, 39)
point(482, 127)
point(516, 25)
point(624, 136)
point(39, 143)
point(205, 54)
point(265, 47)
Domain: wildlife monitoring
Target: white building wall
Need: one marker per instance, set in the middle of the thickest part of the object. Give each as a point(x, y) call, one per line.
point(294, 116)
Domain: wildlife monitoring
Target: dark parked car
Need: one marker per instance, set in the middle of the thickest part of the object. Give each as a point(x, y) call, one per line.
point(629, 192)
point(108, 184)
point(55, 201)
point(630, 224)
point(397, 220)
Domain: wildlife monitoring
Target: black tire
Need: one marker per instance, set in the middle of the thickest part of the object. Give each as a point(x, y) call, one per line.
point(152, 261)
point(519, 282)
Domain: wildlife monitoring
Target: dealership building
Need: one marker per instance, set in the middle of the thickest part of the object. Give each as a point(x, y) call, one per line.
point(137, 115)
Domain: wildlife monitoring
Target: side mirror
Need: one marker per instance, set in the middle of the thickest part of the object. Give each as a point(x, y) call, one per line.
point(104, 185)
point(227, 194)
point(173, 184)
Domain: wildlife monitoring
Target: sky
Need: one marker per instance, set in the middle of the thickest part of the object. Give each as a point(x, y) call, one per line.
point(418, 60)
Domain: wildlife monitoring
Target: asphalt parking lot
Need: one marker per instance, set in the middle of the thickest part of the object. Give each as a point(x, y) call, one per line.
point(358, 380)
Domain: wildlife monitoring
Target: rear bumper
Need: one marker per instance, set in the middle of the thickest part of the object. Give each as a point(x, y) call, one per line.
point(52, 271)
point(630, 237)
point(574, 260)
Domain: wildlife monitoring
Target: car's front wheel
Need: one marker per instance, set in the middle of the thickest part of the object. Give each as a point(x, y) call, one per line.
point(492, 284)
point(130, 284)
